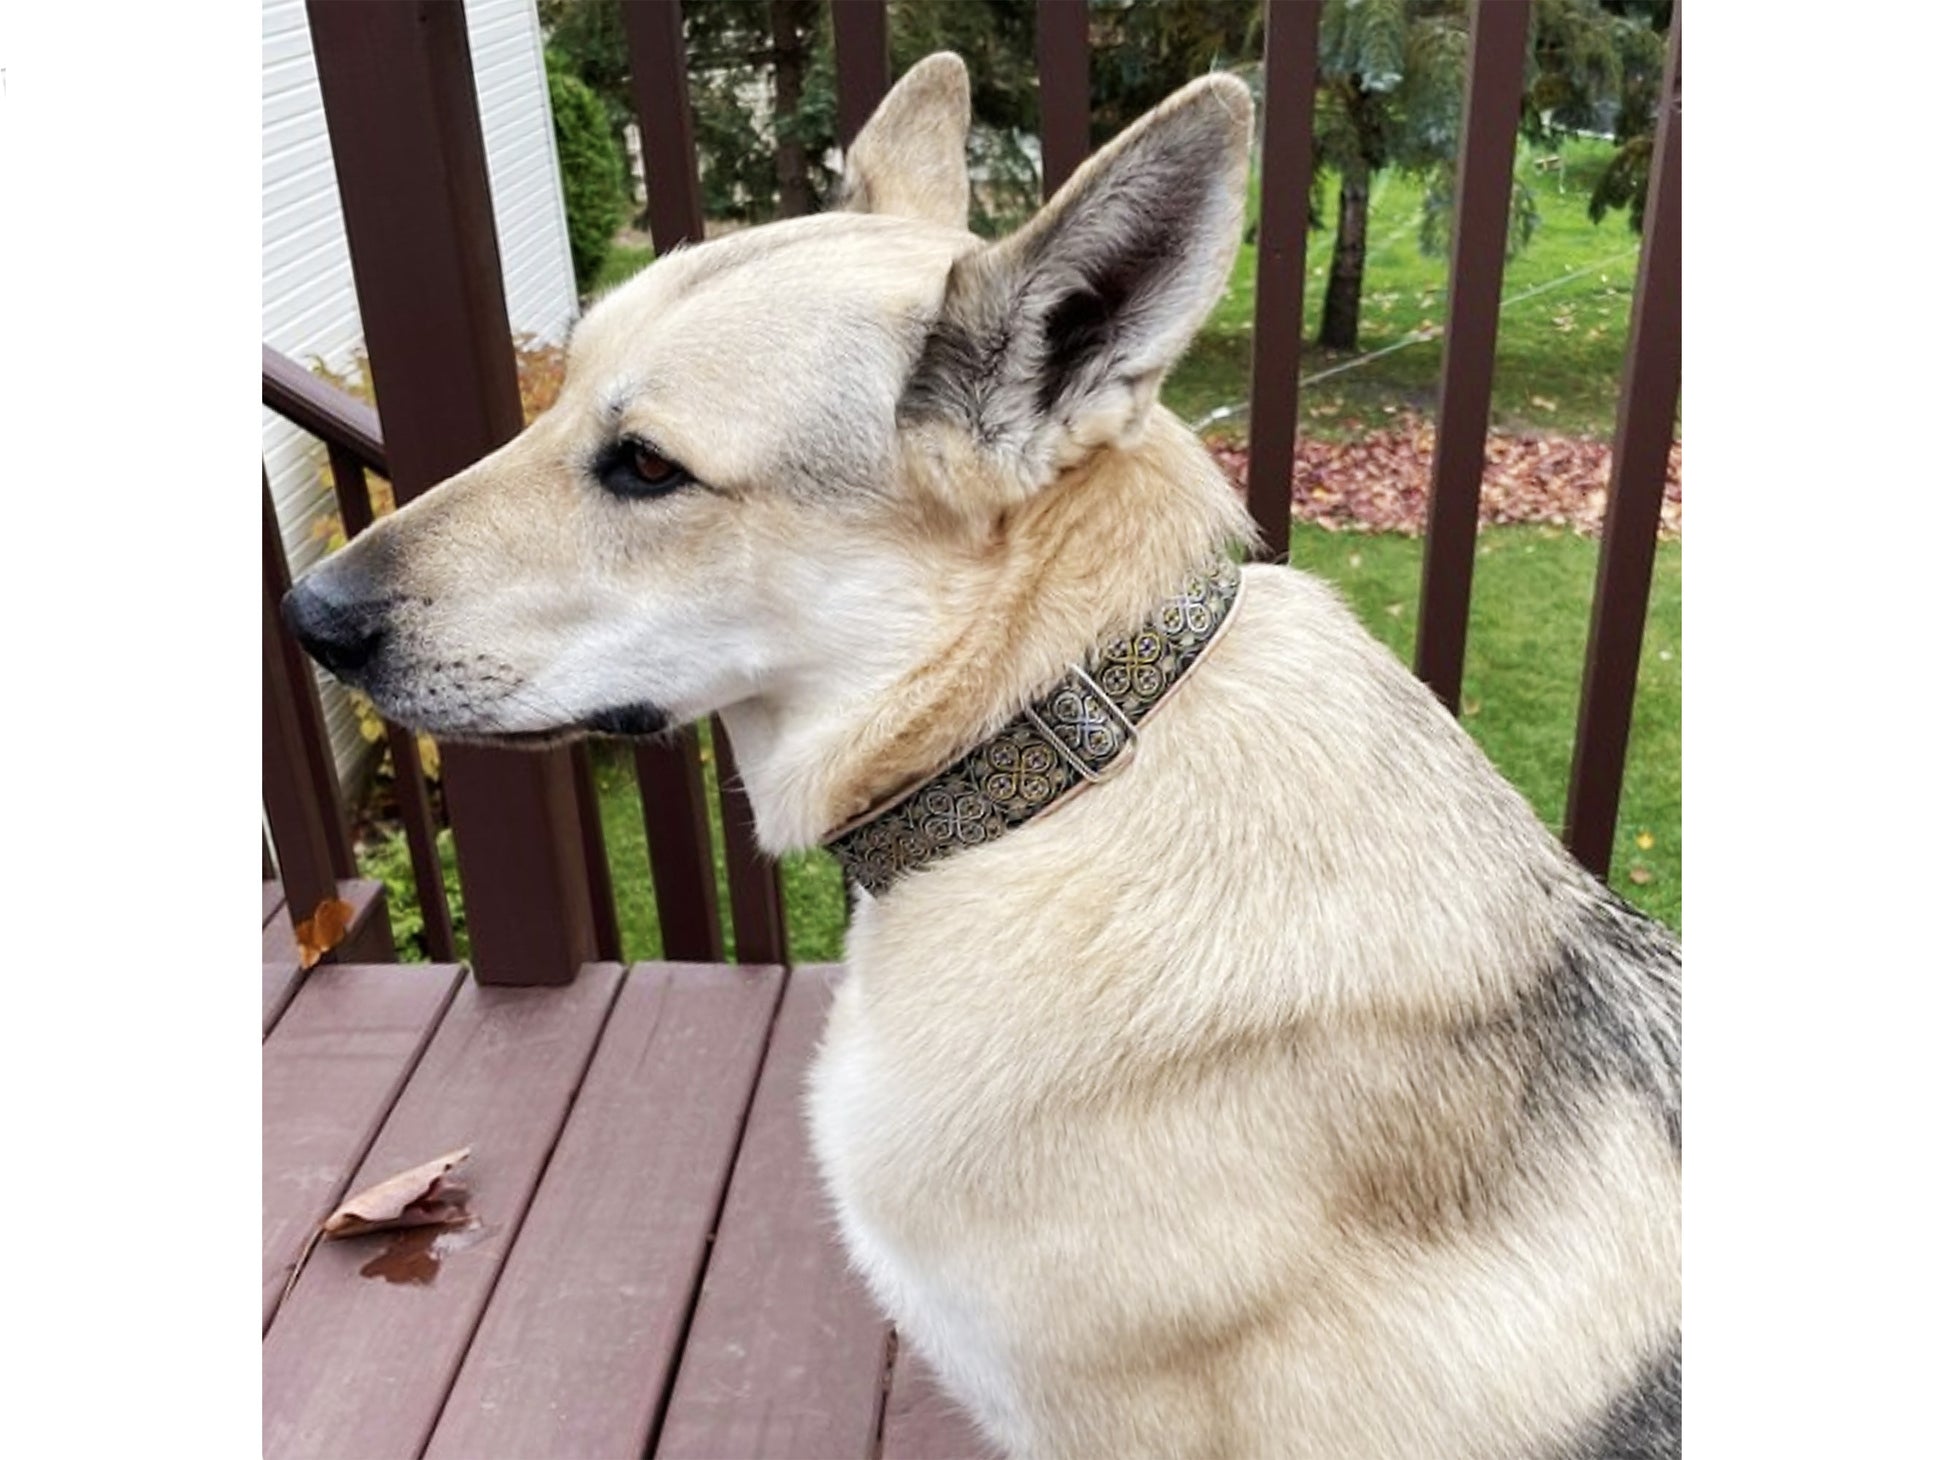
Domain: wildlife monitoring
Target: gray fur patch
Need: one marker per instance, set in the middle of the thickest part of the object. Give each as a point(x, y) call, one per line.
point(1644, 1422)
point(1608, 1013)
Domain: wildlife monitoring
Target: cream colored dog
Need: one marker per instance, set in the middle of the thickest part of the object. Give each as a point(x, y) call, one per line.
point(1292, 1094)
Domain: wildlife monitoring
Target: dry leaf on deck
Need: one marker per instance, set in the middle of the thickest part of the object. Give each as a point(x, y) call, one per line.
point(421, 1197)
point(323, 930)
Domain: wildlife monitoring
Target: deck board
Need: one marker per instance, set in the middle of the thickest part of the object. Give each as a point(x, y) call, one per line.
point(786, 1354)
point(331, 1071)
point(582, 1335)
point(273, 898)
point(921, 1423)
point(280, 985)
point(359, 1365)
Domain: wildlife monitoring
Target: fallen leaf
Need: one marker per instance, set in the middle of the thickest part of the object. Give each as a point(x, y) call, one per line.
point(323, 930)
point(1640, 875)
point(1645, 839)
point(421, 1197)
point(1469, 705)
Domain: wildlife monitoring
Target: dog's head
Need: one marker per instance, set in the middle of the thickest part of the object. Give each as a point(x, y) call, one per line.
point(754, 432)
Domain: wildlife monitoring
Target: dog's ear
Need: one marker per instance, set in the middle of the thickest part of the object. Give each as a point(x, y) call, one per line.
point(910, 158)
point(1055, 340)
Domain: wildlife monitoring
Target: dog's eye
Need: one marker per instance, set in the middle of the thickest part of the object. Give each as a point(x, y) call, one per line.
point(637, 469)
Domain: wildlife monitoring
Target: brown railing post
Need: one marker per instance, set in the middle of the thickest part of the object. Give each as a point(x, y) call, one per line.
point(1061, 56)
point(671, 783)
point(659, 81)
point(1290, 96)
point(1645, 426)
point(397, 82)
point(858, 36)
point(305, 818)
point(1483, 187)
point(675, 814)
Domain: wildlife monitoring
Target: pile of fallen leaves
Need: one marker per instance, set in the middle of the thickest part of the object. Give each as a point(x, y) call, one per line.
point(1378, 482)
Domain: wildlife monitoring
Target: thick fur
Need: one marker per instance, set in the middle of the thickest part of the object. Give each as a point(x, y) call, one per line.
point(1292, 1094)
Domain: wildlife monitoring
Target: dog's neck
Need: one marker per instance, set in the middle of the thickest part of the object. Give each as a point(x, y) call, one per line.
point(970, 627)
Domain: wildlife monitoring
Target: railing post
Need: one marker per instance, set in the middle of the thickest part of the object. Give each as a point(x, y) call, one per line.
point(858, 36)
point(1482, 193)
point(397, 81)
point(1645, 426)
point(671, 782)
point(1290, 97)
point(1061, 56)
point(300, 785)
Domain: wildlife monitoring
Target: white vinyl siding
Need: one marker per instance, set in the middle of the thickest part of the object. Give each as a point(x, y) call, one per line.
point(310, 309)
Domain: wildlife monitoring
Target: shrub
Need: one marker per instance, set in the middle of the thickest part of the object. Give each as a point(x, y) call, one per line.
point(592, 173)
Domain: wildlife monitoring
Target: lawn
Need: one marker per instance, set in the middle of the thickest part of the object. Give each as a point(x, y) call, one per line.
point(1563, 329)
point(1563, 321)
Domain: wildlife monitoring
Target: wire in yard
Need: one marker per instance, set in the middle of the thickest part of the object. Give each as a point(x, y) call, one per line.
point(1417, 337)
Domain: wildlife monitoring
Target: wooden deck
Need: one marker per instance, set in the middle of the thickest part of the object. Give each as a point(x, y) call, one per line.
point(651, 1268)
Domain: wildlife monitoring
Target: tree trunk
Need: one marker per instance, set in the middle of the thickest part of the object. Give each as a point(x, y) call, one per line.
point(790, 22)
point(1338, 329)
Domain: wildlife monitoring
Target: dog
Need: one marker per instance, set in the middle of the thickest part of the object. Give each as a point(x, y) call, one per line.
point(1282, 1087)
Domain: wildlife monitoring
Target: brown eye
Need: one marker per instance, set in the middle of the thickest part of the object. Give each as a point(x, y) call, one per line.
point(633, 468)
point(656, 470)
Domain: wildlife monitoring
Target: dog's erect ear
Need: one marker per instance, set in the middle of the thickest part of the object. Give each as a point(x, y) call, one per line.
point(910, 158)
point(1054, 341)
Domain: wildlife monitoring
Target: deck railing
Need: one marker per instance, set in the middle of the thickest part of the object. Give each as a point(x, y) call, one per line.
point(405, 134)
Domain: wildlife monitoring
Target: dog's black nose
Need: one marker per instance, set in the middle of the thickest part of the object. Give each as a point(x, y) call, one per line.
point(342, 637)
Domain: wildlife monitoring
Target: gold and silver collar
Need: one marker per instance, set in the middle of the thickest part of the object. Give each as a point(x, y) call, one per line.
point(1081, 732)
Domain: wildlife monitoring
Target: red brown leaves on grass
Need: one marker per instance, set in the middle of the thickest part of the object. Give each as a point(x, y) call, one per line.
point(1379, 482)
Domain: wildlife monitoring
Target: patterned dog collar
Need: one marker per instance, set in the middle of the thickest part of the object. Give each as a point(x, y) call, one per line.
point(1079, 732)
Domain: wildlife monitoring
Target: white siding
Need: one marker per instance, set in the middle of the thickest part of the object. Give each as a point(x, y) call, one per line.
point(310, 311)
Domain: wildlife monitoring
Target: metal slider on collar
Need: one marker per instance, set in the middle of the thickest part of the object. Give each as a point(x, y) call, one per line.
point(1124, 753)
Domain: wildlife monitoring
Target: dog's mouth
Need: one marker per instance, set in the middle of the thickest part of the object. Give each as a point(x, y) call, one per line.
point(640, 721)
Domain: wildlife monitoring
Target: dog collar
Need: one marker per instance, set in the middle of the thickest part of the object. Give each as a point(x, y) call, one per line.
point(1082, 731)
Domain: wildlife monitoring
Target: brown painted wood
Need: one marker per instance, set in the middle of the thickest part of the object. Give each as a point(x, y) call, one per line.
point(578, 1347)
point(280, 984)
point(1290, 97)
point(1062, 61)
point(1489, 122)
point(335, 417)
point(921, 1423)
point(786, 1355)
point(1645, 426)
point(675, 813)
point(1061, 57)
point(349, 488)
point(859, 38)
point(659, 82)
point(359, 1366)
point(397, 84)
point(422, 842)
point(594, 852)
point(369, 939)
point(300, 779)
point(756, 891)
point(331, 1069)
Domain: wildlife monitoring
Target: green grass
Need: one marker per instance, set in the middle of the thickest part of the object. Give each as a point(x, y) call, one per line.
point(624, 262)
point(1559, 356)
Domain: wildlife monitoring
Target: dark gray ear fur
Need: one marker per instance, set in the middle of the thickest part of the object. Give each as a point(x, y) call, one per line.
point(909, 159)
point(1055, 340)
